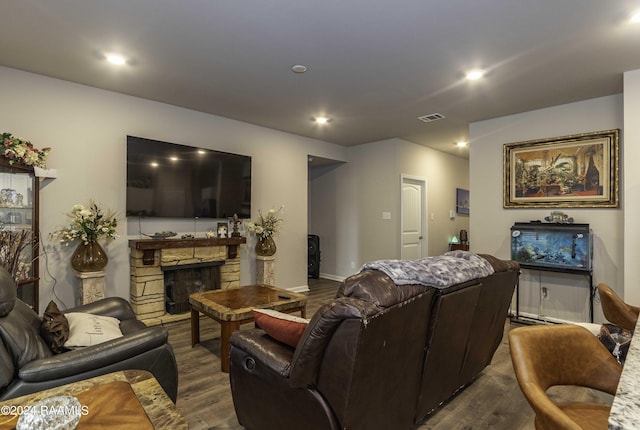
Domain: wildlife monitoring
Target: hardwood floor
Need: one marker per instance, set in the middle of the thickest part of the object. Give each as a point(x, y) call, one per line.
point(493, 401)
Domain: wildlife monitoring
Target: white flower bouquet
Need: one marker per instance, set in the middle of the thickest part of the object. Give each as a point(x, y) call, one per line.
point(88, 223)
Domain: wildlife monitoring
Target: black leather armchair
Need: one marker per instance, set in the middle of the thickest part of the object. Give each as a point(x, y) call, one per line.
point(28, 365)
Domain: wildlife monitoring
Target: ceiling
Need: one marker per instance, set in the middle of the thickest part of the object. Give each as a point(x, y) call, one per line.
point(373, 66)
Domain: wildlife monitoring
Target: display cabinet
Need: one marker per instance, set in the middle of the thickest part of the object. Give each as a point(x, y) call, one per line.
point(19, 230)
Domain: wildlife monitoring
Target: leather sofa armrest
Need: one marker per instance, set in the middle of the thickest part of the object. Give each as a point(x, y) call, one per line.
point(262, 348)
point(115, 307)
point(94, 357)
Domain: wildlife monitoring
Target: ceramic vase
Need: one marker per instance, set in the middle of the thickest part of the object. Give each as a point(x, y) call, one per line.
point(89, 257)
point(266, 247)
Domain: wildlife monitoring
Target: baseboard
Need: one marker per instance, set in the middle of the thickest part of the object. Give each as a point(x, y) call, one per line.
point(529, 318)
point(332, 277)
point(305, 288)
point(300, 289)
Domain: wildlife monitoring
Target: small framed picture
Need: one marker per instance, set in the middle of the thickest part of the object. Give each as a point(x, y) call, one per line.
point(223, 229)
point(462, 201)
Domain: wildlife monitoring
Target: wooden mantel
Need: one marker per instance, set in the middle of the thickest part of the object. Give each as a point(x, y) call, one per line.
point(147, 246)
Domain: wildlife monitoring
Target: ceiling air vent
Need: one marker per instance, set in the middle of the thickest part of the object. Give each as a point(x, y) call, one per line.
point(431, 117)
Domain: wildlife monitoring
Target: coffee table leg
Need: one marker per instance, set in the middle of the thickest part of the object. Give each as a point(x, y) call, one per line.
point(195, 327)
point(227, 327)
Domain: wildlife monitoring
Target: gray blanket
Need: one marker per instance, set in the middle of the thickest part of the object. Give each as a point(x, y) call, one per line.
point(442, 271)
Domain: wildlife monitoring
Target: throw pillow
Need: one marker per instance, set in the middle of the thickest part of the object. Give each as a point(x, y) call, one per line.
point(280, 326)
point(20, 333)
point(88, 329)
point(54, 328)
point(617, 340)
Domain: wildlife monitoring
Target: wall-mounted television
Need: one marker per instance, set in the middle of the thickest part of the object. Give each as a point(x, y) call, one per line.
point(168, 180)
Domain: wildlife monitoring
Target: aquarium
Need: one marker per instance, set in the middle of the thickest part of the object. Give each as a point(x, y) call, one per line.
point(552, 246)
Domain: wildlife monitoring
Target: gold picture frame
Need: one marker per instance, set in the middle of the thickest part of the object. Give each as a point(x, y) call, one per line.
point(577, 171)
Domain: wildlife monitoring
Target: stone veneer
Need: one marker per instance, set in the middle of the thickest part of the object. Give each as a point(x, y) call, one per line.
point(149, 256)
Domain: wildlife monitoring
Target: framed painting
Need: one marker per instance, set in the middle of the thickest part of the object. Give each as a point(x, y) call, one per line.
point(462, 201)
point(577, 171)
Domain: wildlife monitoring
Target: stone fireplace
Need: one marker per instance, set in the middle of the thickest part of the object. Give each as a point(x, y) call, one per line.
point(151, 260)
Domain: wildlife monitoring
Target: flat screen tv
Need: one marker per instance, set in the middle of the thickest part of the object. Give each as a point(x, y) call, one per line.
point(176, 181)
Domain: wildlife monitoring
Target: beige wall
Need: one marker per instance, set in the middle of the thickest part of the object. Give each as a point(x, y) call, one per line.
point(490, 223)
point(87, 128)
point(631, 186)
point(347, 202)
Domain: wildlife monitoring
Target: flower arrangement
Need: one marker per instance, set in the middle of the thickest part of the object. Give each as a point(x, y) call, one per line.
point(268, 225)
point(88, 223)
point(22, 151)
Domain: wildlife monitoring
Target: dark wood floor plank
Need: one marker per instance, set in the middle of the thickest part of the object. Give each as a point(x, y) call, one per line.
point(492, 401)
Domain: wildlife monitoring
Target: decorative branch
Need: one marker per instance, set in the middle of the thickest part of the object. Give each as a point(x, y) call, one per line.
point(12, 245)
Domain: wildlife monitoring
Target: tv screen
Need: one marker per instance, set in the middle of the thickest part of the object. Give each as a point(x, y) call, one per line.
point(177, 181)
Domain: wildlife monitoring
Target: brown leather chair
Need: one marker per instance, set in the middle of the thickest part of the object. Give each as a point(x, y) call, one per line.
point(615, 310)
point(565, 354)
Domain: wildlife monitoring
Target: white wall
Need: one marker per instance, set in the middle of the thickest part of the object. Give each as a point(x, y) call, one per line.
point(490, 223)
point(87, 128)
point(348, 200)
point(631, 187)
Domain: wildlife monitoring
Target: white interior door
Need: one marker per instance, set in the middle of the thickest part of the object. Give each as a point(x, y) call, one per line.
point(414, 227)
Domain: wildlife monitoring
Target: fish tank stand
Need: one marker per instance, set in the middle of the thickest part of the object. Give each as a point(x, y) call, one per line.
point(553, 247)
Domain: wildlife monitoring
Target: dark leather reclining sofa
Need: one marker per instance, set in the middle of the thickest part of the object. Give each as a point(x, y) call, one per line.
point(378, 356)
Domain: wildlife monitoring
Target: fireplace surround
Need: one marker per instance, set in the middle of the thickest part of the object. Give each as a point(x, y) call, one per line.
point(151, 259)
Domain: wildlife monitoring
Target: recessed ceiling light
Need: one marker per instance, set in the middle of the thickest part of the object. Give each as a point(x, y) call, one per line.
point(635, 18)
point(461, 144)
point(299, 68)
point(473, 75)
point(321, 120)
point(116, 59)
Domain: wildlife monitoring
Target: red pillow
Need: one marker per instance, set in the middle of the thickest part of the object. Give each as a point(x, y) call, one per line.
point(283, 327)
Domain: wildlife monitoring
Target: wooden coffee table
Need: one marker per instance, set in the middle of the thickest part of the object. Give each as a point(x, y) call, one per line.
point(233, 306)
point(147, 405)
